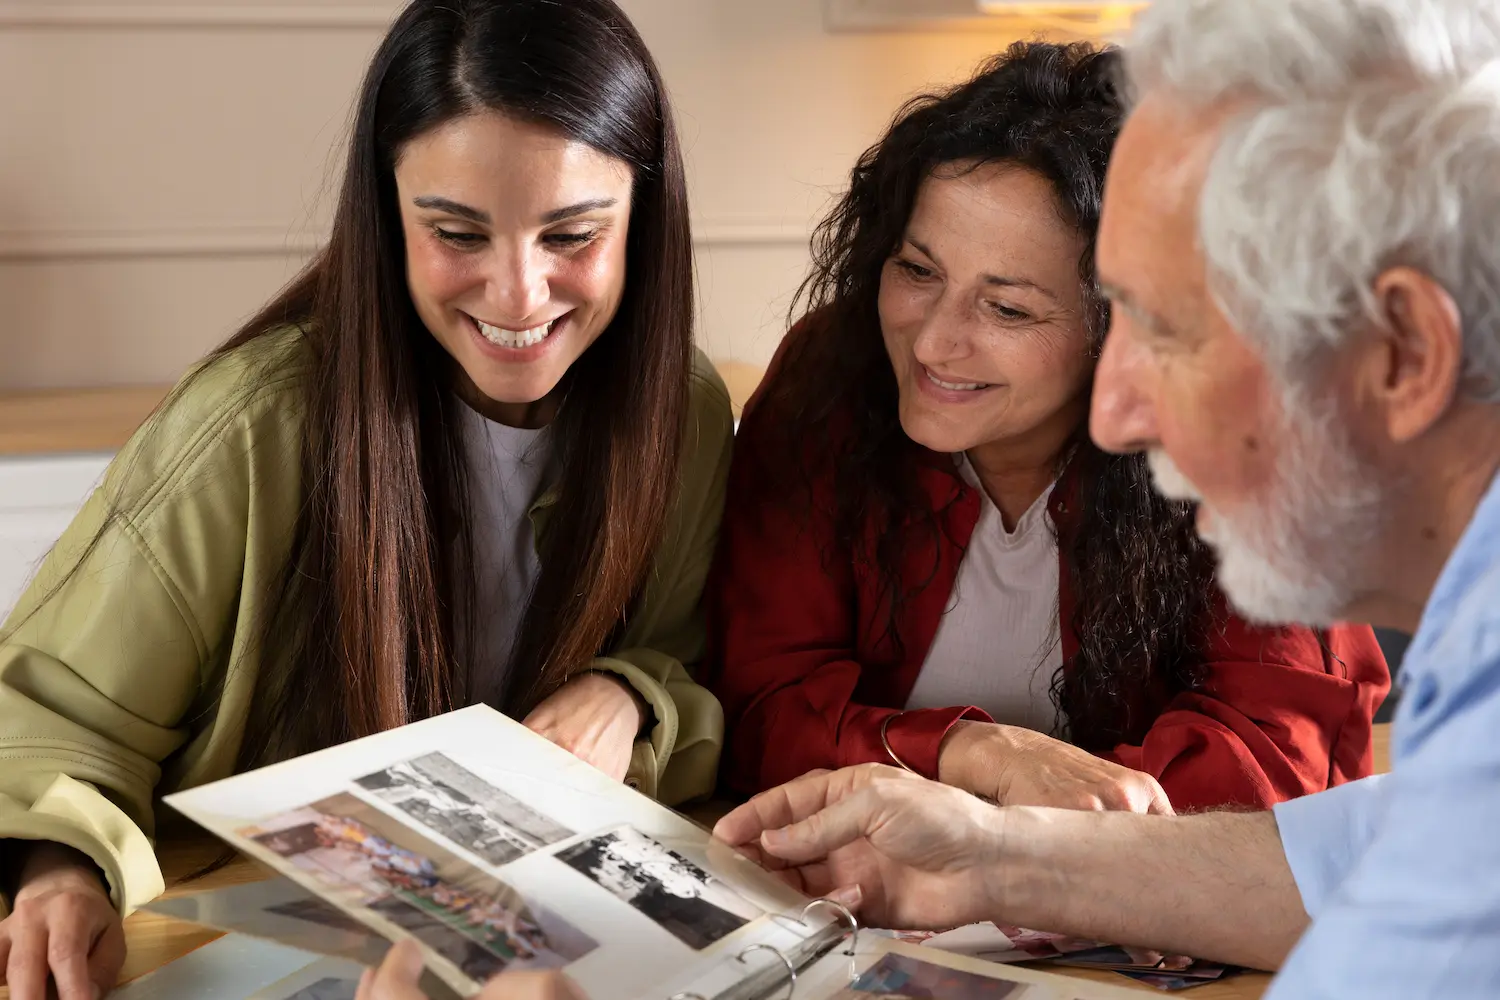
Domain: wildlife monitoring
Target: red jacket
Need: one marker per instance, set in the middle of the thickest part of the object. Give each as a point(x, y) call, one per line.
point(806, 681)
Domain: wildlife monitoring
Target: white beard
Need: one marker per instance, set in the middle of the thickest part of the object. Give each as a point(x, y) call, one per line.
point(1302, 555)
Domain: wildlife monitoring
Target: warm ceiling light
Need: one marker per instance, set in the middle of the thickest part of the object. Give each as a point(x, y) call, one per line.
point(1104, 18)
point(1058, 6)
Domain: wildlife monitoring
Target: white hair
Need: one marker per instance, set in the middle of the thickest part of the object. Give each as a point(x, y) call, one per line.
point(1370, 139)
point(1306, 551)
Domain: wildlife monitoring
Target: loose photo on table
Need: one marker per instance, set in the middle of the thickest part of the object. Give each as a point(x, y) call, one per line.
point(901, 977)
point(683, 899)
point(367, 860)
point(461, 807)
point(327, 988)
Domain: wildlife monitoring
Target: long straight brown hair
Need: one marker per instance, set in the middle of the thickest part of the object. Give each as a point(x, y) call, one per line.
point(360, 633)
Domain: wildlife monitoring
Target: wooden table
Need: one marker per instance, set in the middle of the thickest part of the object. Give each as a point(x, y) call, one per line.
point(154, 941)
point(75, 420)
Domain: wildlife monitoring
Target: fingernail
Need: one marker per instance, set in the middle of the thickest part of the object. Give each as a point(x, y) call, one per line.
point(774, 838)
point(848, 895)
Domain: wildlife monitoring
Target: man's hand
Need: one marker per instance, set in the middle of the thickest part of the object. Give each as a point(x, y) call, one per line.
point(904, 851)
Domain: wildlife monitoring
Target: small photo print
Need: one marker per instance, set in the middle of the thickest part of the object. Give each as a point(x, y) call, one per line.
point(461, 807)
point(370, 861)
point(683, 899)
point(1166, 981)
point(1041, 944)
point(327, 989)
point(900, 977)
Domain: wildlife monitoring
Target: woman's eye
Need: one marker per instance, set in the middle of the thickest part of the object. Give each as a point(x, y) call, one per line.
point(914, 269)
point(457, 239)
point(568, 241)
point(1006, 312)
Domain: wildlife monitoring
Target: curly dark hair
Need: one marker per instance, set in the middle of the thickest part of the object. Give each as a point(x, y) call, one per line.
point(1142, 582)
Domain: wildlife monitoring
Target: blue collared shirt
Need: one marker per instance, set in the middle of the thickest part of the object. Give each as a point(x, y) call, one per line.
point(1401, 872)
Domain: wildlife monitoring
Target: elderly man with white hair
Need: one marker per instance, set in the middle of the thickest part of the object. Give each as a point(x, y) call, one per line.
point(1301, 239)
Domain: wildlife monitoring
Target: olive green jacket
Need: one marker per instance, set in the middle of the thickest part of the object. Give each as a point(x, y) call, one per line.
point(134, 679)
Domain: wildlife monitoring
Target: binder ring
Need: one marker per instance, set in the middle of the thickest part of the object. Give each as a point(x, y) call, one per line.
point(843, 911)
point(791, 970)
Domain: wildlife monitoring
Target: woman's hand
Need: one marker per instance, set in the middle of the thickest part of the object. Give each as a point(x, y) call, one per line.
point(64, 928)
point(596, 718)
point(397, 977)
point(1020, 767)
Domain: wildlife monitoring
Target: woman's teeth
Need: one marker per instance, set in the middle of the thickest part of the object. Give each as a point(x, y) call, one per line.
point(956, 386)
point(515, 338)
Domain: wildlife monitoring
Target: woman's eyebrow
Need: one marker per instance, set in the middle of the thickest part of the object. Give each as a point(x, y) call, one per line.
point(592, 205)
point(452, 207)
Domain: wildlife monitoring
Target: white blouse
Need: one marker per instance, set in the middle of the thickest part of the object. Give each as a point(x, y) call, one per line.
point(998, 646)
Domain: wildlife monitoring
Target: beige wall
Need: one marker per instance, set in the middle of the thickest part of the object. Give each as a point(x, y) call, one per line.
point(165, 165)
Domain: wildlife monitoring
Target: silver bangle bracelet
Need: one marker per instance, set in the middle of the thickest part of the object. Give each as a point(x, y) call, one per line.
point(886, 742)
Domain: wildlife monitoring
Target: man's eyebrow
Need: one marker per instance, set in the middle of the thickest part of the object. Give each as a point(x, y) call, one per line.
point(1121, 299)
point(1114, 293)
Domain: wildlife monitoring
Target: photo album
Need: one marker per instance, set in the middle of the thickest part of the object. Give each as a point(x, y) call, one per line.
point(495, 850)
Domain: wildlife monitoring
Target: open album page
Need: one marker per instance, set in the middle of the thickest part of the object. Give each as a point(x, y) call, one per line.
point(497, 850)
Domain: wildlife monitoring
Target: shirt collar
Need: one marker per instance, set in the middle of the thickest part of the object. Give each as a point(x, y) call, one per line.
point(1477, 551)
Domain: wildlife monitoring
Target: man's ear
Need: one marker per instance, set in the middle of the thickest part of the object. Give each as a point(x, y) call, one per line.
point(1418, 356)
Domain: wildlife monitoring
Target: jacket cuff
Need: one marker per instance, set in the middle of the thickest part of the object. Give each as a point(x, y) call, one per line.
point(663, 735)
point(917, 737)
point(74, 814)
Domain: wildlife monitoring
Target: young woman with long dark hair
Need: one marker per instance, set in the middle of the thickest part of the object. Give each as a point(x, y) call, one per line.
point(926, 562)
point(469, 455)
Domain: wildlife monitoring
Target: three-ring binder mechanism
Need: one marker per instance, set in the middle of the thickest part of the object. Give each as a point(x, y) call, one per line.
point(779, 981)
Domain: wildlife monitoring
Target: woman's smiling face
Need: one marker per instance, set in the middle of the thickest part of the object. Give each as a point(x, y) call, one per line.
point(983, 311)
point(515, 253)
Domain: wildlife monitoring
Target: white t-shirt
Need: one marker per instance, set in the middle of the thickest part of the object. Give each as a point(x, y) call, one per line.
point(507, 468)
point(997, 646)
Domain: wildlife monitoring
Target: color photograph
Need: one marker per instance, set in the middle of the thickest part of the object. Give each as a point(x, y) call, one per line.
point(683, 899)
point(1042, 944)
point(367, 859)
point(461, 807)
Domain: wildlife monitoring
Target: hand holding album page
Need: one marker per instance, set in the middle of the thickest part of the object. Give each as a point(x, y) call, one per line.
point(496, 850)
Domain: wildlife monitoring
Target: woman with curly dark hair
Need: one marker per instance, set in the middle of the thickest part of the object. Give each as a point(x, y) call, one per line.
point(924, 560)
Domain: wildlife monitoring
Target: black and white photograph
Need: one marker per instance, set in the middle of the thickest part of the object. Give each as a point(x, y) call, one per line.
point(464, 809)
point(683, 899)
